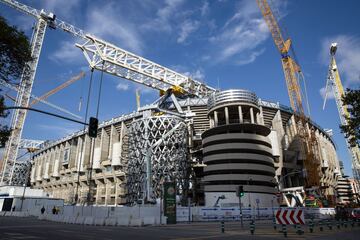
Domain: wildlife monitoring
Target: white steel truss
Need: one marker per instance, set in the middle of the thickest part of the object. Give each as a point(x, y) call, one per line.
point(22, 99)
point(30, 144)
point(109, 58)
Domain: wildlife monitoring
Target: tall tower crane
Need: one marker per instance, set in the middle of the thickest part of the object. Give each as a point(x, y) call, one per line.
point(100, 55)
point(293, 76)
point(333, 81)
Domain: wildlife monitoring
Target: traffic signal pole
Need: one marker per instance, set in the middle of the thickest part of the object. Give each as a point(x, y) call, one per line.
point(241, 216)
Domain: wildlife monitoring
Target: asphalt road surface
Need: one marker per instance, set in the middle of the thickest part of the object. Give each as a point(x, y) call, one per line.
point(12, 228)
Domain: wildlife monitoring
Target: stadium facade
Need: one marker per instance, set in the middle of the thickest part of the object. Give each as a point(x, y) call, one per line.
point(229, 139)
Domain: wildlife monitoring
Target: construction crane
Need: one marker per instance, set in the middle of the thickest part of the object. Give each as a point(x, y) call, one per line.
point(333, 81)
point(100, 55)
point(37, 99)
point(293, 76)
point(49, 93)
point(60, 87)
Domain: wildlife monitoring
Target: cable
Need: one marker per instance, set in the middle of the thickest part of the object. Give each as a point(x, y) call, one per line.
point(83, 143)
point(89, 199)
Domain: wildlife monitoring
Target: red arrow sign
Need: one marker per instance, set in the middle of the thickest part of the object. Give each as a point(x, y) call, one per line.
point(290, 216)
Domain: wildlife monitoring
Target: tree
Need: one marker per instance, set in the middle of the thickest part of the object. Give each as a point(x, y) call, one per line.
point(15, 52)
point(351, 100)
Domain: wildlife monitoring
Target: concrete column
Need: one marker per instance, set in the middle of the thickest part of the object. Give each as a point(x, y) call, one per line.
point(257, 118)
point(252, 115)
point(107, 191)
point(226, 115)
point(241, 119)
point(211, 121)
point(216, 118)
point(261, 116)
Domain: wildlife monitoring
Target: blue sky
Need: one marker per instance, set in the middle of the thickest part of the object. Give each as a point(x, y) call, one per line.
point(223, 43)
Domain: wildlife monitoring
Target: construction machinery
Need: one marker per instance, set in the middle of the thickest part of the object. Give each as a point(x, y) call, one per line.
point(333, 81)
point(293, 77)
point(60, 87)
point(100, 55)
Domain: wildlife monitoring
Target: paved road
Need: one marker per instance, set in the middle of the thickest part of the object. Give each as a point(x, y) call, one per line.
point(30, 228)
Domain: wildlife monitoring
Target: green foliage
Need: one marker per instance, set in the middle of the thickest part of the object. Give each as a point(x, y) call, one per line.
point(351, 99)
point(15, 51)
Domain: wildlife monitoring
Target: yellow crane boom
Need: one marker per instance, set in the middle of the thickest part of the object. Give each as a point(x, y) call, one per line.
point(60, 87)
point(292, 72)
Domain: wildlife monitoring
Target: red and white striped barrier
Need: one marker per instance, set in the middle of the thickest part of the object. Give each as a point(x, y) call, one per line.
point(289, 216)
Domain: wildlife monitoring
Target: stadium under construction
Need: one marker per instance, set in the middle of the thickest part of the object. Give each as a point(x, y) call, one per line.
point(211, 144)
point(215, 144)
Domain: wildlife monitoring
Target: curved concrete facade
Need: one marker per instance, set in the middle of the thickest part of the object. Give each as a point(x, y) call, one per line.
point(237, 151)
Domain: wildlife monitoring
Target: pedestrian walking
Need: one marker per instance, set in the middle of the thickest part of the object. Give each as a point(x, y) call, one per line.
point(42, 210)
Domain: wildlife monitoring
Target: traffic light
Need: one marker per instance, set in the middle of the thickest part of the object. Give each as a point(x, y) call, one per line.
point(93, 127)
point(240, 191)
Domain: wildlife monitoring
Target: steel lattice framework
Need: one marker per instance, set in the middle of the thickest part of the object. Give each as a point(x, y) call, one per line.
point(22, 99)
point(21, 172)
point(168, 159)
point(109, 58)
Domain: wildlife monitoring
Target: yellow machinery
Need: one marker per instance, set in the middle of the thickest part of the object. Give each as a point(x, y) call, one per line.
point(334, 81)
point(293, 75)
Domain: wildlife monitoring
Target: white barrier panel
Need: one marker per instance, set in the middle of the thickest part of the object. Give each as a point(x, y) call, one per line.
point(110, 221)
point(89, 221)
point(183, 214)
point(233, 214)
point(99, 221)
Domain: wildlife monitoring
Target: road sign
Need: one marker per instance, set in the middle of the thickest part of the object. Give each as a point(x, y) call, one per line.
point(289, 216)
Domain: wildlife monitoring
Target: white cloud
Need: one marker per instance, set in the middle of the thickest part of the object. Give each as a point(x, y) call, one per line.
point(186, 29)
point(65, 9)
point(122, 86)
point(250, 58)
point(198, 74)
point(330, 94)
point(205, 8)
point(241, 35)
point(162, 21)
point(347, 57)
point(107, 22)
point(67, 53)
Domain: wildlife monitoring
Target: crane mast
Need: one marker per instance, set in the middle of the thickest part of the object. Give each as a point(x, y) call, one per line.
point(100, 55)
point(334, 81)
point(293, 75)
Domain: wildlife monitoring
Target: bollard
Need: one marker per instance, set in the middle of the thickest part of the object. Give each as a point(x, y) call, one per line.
point(320, 225)
point(252, 227)
point(274, 222)
point(222, 226)
point(299, 231)
point(311, 225)
point(329, 224)
point(284, 230)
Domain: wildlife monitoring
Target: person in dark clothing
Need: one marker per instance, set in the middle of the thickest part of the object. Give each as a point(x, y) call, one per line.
point(54, 210)
point(42, 210)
